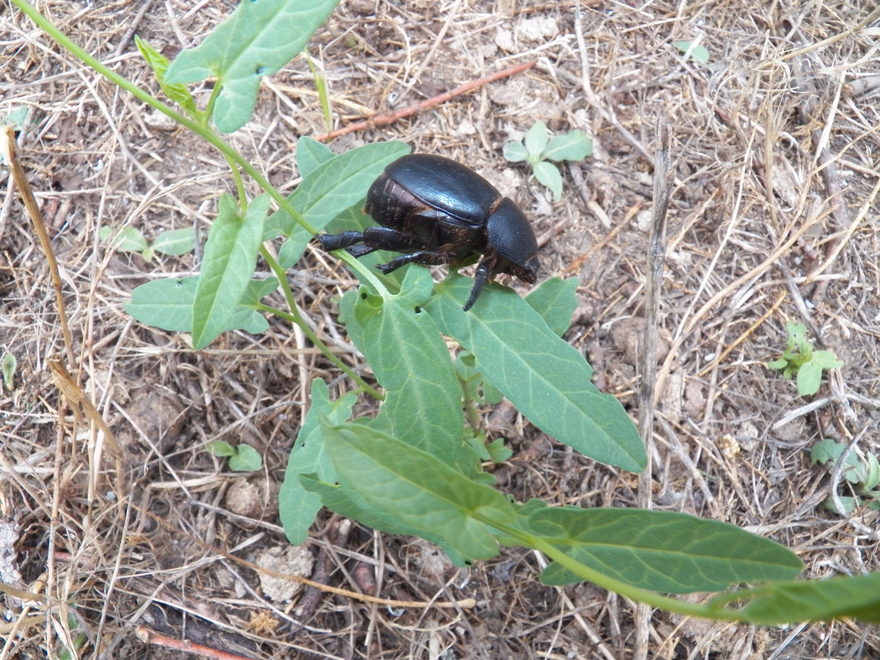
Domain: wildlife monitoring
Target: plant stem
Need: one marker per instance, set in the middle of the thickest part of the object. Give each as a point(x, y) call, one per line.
point(236, 162)
point(707, 611)
point(198, 128)
point(294, 316)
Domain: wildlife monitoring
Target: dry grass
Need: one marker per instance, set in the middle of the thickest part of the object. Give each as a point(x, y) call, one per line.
point(774, 214)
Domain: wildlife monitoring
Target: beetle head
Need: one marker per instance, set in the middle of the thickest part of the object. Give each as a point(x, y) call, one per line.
point(511, 237)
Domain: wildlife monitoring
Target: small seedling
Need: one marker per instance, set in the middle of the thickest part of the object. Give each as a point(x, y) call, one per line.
point(863, 472)
point(802, 360)
point(173, 242)
point(539, 148)
point(242, 458)
point(77, 635)
point(694, 50)
point(8, 363)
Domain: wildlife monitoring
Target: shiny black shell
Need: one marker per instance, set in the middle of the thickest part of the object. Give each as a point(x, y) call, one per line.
point(443, 184)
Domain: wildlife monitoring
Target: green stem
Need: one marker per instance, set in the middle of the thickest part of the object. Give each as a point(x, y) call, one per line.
point(294, 316)
point(196, 127)
point(237, 162)
point(652, 598)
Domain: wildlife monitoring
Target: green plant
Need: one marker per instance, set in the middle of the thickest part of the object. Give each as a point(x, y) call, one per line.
point(415, 466)
point(242, 458)
point(8, 365)
point(694, 50)
point(77, 635)
point(172, 242)
point(800, 359)
point(862, 471)
point(539, 148)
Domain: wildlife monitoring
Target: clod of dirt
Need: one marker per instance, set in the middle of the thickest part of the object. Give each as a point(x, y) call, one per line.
point(540, 28)
point(627, 337)
point(290, 560)
point(156, 415)
point(433, 562)
point(728, 446)
point(244, 498)
point(791, 432)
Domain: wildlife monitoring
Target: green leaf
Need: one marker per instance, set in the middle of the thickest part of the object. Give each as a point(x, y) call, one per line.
point(535, 141)
point(797, 339)
point(221, 448)
point(18, 117)
point(698, 52)
point(168, 304)
point(411, 361)
point(779, 364)
point(660, 550)
point(126, 239)
point(311, 153)
point(418, 490)
point(825, 451)
point(826, 360)
point(332, 187)
point(8, 364)
point(847, 505)
point(574, 145)
point(159, 64)
point(296, 505)
point(245, 459)
point(548, 174)
point(515, 151)
point(230, 258)
point(555, 300)
point(851, 596)
point(809, 378)
point(872, 473)
point(175, 242)
point(498, 451)
point(256, 40)
point(542, 375)
point(348, 504)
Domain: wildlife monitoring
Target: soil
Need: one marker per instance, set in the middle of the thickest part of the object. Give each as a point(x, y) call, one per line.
point(774, 215)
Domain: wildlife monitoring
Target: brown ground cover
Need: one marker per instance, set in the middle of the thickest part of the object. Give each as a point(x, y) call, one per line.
point(774, 215)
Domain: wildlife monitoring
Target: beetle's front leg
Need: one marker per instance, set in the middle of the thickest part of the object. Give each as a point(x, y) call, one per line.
point(427, 257)
point(482, 275)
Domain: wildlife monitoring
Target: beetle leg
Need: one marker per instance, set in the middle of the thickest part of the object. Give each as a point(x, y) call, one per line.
point(373, 238)
point(360, 250)
point(428, 257)
point(387, 238)
point(481, 276)
point(330, 242)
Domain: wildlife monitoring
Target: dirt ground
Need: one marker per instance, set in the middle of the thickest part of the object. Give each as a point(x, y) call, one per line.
point(774, 215)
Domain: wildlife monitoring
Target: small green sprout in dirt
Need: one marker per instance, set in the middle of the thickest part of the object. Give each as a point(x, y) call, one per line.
point(694, 50)
point(801, 359)
point(78, 637)
point(861, 471)
point(539, 148)
point(242, 458)
point(8, 364)
point(173, 242)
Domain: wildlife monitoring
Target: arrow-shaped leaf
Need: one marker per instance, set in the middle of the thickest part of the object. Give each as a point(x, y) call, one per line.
point(256, 40)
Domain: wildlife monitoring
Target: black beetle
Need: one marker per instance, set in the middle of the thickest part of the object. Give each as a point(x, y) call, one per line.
point(438, 211)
